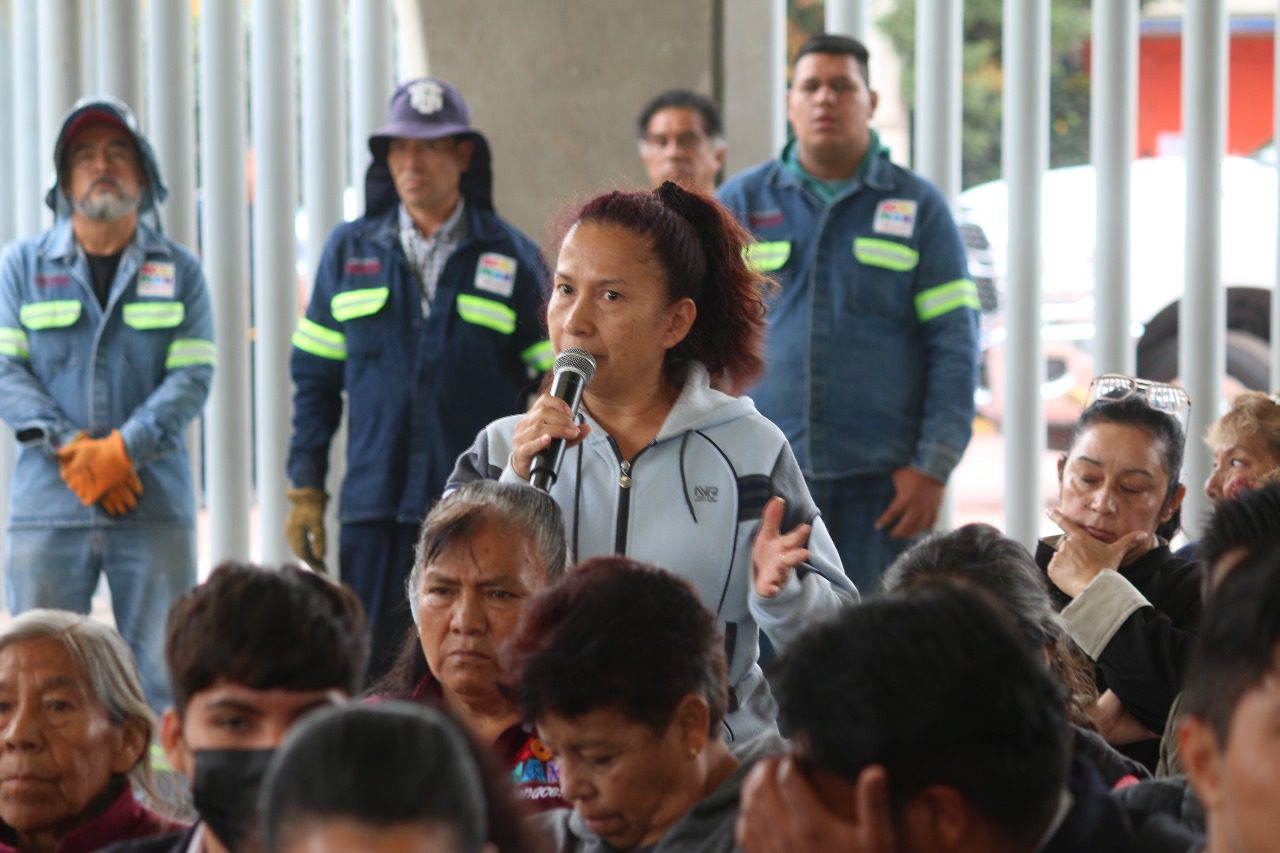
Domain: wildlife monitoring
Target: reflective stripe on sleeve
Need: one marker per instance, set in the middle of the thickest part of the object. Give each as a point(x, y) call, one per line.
point(13, 342)
point(540, 356)
point(154, 315)
point(188, 352)
point(887, 254)
point(358, 303)
point(320, 341)
point(946, 298)
point(487, 313)
point(55, 314)
point(767, 257)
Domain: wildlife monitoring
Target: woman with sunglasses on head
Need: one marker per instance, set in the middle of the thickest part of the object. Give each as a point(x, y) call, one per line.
point(1130, 604)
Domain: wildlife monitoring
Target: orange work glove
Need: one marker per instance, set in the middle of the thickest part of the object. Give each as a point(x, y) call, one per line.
point(91, 466)
point(123, 496)
point(304, 525)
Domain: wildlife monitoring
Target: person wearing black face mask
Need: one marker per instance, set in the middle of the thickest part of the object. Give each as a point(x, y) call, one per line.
point(250, 652)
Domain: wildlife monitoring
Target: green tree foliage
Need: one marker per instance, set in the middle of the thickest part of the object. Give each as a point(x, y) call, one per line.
point(1070, 25)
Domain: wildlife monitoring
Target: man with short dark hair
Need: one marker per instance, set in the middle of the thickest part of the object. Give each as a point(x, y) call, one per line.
point(250, 652)
point(938, 731)
point(425, 315)
point(681, 140)
point(106, 355)
point(873, 336)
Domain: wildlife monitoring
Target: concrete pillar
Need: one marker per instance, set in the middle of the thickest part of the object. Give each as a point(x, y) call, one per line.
point(29, 162)
point(58, 55)
point(1113, 121)
point(275, 147)
point(222, 146)
point(749, 77)
point(372, 81)
point(1025, 159)
point(1202, 312)
point(411, 38)
point(779, 63)
point(852, 18)
point(120, 57)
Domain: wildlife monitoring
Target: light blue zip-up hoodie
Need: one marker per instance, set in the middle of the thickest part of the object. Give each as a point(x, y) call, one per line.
point(691, 504)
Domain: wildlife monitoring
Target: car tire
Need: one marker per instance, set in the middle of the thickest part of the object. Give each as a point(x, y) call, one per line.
point(1248, 360)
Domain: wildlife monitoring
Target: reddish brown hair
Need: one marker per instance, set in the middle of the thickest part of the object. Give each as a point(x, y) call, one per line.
point(699, 246)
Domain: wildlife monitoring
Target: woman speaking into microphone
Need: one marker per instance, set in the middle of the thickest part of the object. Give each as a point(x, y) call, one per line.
point(664, 463)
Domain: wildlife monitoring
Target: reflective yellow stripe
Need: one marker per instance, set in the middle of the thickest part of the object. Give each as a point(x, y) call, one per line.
point(57, 314)
point(487, 313)
point(767, 257)
point(154, 315)
point(188, 352)
point(13, 342)
point(885, 253)
point(319, 340)
point(358, 303)
point(540, 356)
point(946, 298)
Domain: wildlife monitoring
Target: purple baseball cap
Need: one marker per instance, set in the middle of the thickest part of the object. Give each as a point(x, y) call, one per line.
point(430, 108)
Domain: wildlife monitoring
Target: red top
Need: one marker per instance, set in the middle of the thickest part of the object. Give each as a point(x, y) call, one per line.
point(124, 820)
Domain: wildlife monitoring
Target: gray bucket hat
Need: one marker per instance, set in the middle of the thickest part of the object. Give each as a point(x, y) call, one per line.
point(103, 109)
point(428, 108)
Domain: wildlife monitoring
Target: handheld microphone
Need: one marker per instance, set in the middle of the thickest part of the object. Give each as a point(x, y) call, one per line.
point(574, 370)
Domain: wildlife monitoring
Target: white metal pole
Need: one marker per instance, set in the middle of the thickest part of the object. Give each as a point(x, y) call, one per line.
point(1202, 312)
point(1113, 119)
point(852, 17)
point(58, 54)
point(222, 147)
point(372, 81)
point(28, 160)
point(275, 196)
point(119, 53)
point(779, 69)
point(8, 221)
point(1026, 146)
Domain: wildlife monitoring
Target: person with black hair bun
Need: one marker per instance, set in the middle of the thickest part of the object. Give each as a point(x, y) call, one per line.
point(664, 463)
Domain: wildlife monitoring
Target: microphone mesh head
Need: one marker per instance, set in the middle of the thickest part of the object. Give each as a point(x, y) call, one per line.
point(573, 358)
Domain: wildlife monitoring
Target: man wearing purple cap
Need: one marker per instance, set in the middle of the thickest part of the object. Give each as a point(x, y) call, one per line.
point(106, 354)
point(425, 312)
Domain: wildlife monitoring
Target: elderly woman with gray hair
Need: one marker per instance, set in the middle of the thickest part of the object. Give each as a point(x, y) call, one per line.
point(485, 550)
point(76, 734)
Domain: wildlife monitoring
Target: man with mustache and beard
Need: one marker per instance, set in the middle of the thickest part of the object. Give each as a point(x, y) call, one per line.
point(106, 354)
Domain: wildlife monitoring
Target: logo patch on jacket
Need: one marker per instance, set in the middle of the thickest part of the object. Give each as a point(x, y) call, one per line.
point(706, 494)
point(362, 266)
point(156, 279)
point(496, 273)
point(61, 279)
point(896, 216)
point(764, 218)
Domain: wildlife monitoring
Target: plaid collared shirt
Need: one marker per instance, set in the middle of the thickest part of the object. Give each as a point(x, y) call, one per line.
point(427, 255)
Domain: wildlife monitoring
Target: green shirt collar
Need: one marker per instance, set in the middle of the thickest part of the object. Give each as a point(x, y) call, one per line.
point(829, 191)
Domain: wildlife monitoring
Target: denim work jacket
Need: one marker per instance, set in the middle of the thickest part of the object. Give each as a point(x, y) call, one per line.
point(873, 335)
point(143, 365)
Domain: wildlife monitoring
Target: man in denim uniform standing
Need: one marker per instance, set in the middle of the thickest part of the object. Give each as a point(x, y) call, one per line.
point(872, 348)
point(106, 354)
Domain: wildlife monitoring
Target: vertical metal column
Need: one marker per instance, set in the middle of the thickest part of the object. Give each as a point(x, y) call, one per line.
point(222, 182)
point(372, 80)
point(778, 68)
point(28, 161)
point(89, 80)
point(119, 49)
point(8, 220)
point(411, 25)
point(1026, 156)
point(1202, 312)
point(274, 94)
point(58, 53)
point(1113, 118)
point(853, 18)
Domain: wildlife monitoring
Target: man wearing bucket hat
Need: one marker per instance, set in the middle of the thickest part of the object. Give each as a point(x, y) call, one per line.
point(106, 354)
point(425, 312)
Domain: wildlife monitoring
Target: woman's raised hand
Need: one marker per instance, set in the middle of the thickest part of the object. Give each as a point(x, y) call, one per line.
point(775, 554)
point(548, 418)
point(1081, 558)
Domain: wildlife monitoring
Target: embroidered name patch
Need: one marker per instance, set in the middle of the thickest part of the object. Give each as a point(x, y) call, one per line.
point(496, 273)
point(55, 280)
point(896, 216)
point(362, 266)
point(764, 218)
point(156, 279)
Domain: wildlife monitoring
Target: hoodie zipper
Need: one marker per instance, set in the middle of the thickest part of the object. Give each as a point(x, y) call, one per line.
point(625, 467)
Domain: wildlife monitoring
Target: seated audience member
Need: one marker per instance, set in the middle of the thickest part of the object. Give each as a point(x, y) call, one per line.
point(1127, 602)
point(391, 776)
point(980, 556)
point(1229, 739)
point(76, 730)
point(623, 671)
point(1245, 443)
point(485, 551)
point(938, 732)
point(250, 652)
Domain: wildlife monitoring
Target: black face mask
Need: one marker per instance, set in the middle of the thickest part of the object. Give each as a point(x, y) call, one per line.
point(225, 791)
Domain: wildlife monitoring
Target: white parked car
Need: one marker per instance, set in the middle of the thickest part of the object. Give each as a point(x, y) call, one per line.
point(1249, 205)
